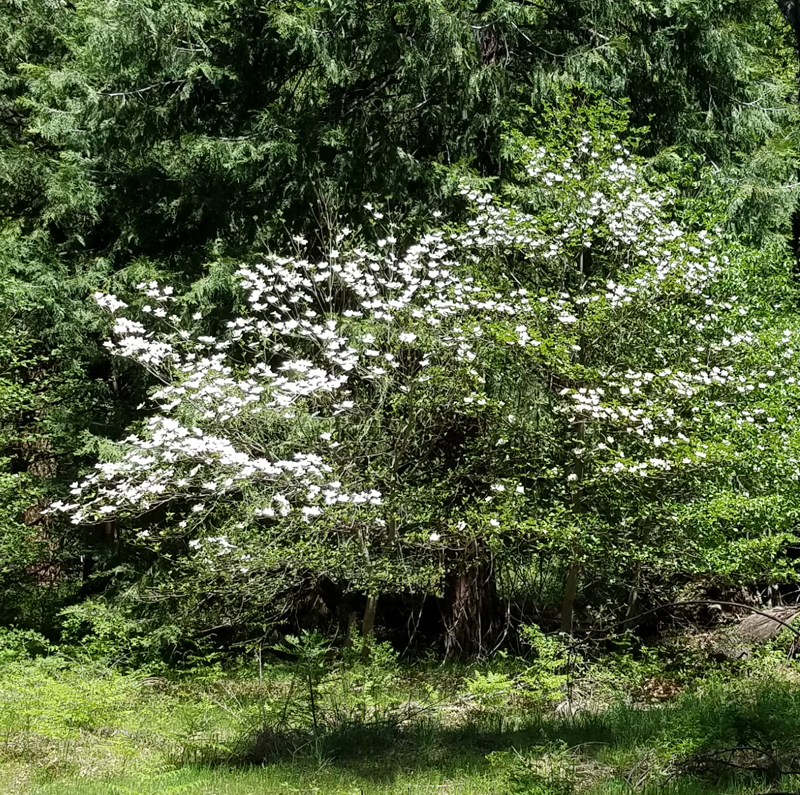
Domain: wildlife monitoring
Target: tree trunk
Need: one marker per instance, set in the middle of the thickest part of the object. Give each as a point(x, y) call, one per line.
point(568, 598)
point(791, 13)
point(472, 617)
point(368, 625)
point(585, 262)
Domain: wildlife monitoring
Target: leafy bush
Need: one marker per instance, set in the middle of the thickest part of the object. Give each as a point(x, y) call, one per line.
point(111, 633)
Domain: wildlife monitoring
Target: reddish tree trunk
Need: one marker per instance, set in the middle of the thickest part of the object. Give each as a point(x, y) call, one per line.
point(472, 620)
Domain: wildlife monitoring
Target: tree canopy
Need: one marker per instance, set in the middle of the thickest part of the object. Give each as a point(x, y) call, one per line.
point(450, 302)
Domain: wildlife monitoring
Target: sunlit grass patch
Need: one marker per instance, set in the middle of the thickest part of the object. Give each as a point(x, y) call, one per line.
point(69, 728)
point(256, 781)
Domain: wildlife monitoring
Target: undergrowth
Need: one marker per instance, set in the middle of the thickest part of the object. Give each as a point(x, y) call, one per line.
point(321, 720)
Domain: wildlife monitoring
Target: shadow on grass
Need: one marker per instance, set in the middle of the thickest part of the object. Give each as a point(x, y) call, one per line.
point(729, 737)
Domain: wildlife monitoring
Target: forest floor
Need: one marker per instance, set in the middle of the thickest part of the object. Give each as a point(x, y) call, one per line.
point(72, 727)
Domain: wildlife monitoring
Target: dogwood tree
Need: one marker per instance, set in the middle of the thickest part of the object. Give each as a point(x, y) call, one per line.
point(572, 373)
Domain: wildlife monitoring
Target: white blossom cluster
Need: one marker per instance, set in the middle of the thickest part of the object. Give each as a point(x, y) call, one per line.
point(315, 331)
point(175, 462)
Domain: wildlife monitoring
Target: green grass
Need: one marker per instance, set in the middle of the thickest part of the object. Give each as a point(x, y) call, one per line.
point(81, 729)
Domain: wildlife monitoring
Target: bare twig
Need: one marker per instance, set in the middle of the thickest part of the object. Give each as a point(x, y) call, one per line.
point(140, 90)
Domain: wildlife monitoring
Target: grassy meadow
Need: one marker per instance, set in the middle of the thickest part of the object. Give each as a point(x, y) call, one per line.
point(76, 727)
